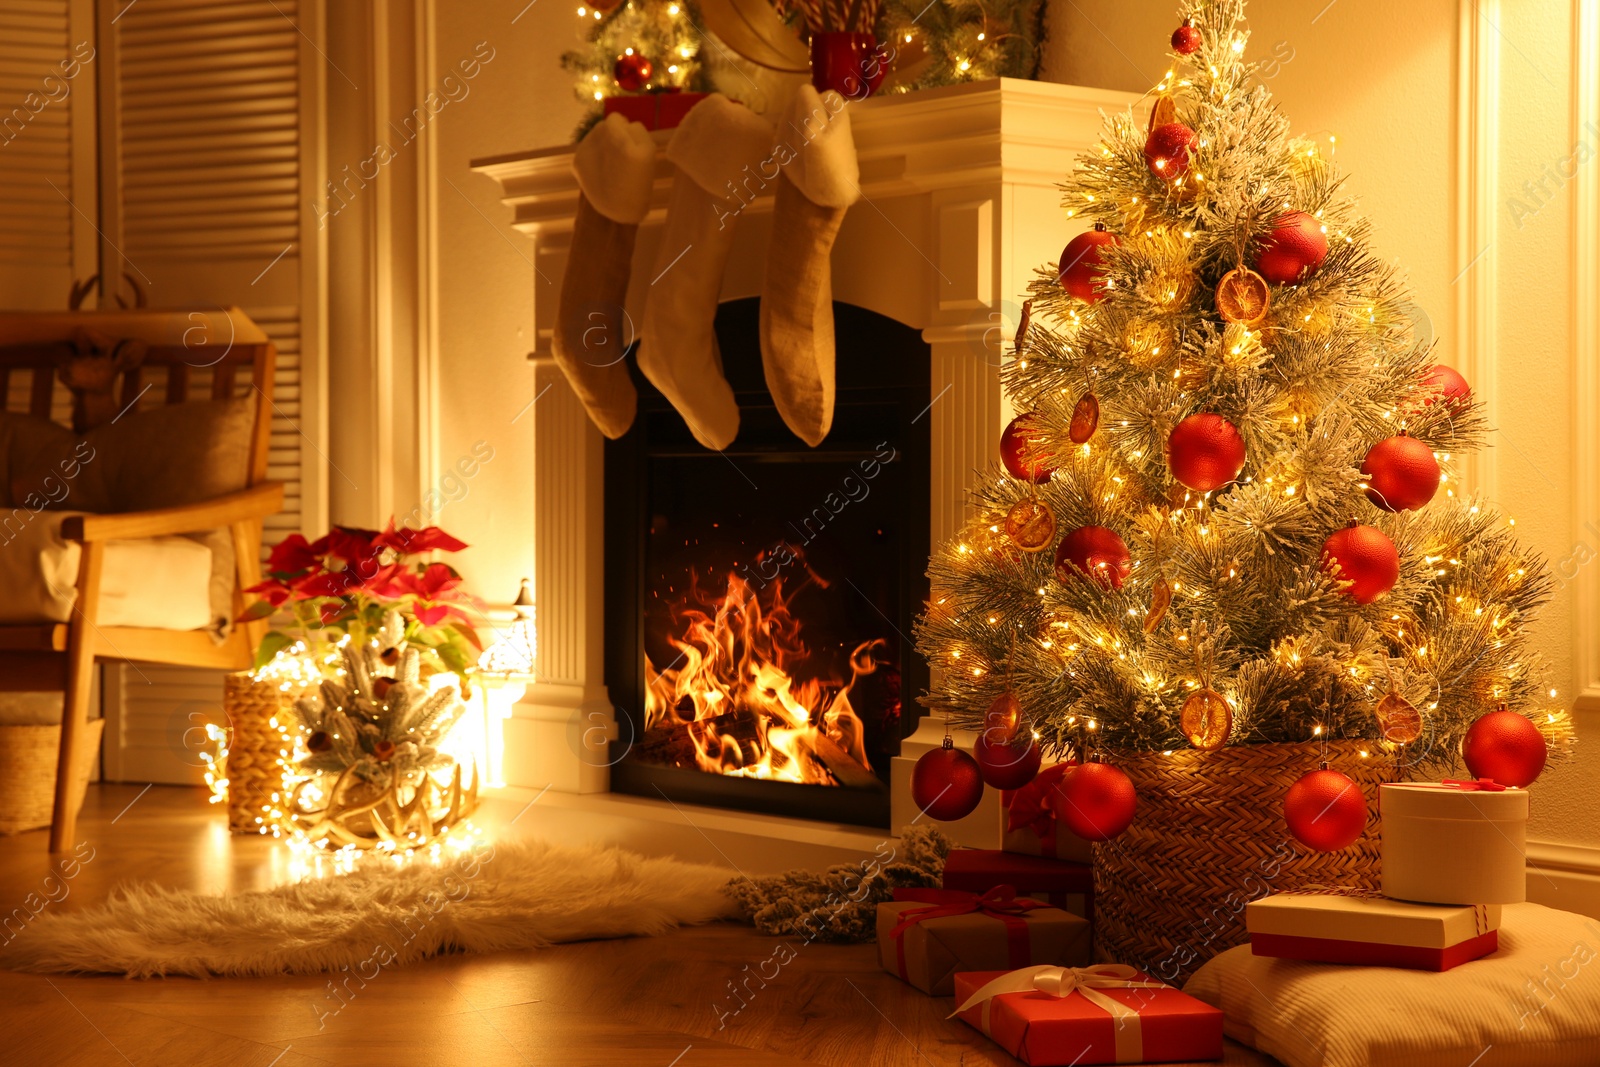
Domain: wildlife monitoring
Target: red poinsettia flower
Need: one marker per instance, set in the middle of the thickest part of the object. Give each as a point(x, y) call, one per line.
point(435, 589)
point(292, 555)
point(272, 591)
point(327, 583)
point(407, 541)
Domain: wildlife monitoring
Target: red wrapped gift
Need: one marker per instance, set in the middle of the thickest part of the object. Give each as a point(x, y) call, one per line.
point(1112, 1013)
point(1069, 886)
point(1028, 822)
point(1366, 928)
point(927, 935)
point(656, 111)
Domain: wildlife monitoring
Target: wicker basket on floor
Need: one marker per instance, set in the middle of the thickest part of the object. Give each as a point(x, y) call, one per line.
point(28, 759)
point(1208, 837)
point(255, 746)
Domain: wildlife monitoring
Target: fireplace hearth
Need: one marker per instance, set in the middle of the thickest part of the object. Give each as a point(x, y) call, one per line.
point(758, 601)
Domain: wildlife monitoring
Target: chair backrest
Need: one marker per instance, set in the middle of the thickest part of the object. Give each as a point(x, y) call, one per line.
point(191, 355)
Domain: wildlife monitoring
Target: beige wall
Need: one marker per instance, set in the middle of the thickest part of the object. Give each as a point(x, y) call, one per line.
point(1387, 79)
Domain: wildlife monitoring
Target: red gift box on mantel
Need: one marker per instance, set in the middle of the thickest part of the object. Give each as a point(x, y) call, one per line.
point(1068, 886)
point(1365, 928)
point(1028, 823)
point(925, 936)
point(1056, 1016)
point(656, 111)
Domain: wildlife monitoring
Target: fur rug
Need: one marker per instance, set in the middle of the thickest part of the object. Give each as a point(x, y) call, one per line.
point(509, 896)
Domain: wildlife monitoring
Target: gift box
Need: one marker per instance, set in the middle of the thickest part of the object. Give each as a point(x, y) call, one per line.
point(1081, 1015)
point(926, 935)
point(656, 111)
point(1068, 886)
point(1028, 823)
point(1454, 842)
point(1369, 929)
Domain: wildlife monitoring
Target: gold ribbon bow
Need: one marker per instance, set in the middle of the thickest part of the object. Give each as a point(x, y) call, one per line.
point(1063, 982)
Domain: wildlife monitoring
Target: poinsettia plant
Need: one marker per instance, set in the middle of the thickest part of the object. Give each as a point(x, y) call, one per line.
point(346, 584)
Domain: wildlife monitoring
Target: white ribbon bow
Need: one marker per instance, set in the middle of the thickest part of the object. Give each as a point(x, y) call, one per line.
point(1063, 982)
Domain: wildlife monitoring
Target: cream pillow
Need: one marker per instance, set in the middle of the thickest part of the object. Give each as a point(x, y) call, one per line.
point(1533, 1003)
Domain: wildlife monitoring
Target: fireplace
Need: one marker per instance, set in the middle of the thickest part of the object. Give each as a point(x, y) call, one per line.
point(758, 601)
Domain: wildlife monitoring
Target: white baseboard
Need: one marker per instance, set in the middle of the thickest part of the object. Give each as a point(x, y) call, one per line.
point(1564, 876)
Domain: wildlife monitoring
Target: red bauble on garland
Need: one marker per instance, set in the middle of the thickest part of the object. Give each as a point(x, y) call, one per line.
point(1166, 150)
point(1097, 552)
point(1079, 271)
point(1095, 801)
point(1447, 384)
point(632, 71)
point(1007, 764)
point(1505, 746)
point(1325, 810)
point(1205, 452)
point(946, 783)
point(1186, 39)
point(1402, 474)
point(1366, 558)
point(1293, 250)
point(1017, 451)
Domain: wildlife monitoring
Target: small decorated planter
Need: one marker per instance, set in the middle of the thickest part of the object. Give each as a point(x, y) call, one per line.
point(1454, 842)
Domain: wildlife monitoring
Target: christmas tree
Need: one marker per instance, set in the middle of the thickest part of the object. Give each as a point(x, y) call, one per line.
point(1230, 512)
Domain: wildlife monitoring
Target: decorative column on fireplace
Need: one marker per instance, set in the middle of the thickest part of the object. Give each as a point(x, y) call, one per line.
point(959, 209)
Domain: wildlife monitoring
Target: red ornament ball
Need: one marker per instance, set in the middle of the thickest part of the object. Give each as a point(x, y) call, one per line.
point(1293, 250)
point(946, 783)
point(1007, 765)
point(1325, 810)
point(1366, 558)
point(1096, 801)
point(1505, 746)
point(1402, 474)
point(1017, 448)
point(1166, 150)
point(1446, 383)
point(1080, 269)
point(632, 72)
point(1186, 39)
point(1205, 452)
point(1096, 551)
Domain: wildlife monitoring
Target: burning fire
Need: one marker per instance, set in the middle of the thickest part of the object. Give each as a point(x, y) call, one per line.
point(734, 685)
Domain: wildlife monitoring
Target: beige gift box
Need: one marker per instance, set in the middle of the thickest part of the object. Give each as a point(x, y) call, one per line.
point(1445, 844)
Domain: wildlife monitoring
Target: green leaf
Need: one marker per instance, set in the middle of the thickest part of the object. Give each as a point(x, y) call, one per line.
point(274, 642)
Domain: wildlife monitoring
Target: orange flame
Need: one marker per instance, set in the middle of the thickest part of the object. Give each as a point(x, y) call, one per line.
point(734, 685)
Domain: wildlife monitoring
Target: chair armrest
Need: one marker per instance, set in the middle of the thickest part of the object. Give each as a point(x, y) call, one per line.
point(256, 502)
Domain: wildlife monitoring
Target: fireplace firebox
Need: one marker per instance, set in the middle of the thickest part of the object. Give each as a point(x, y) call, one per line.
point(758, 601)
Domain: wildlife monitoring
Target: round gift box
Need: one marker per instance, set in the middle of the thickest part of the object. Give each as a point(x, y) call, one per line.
point(1446, 845)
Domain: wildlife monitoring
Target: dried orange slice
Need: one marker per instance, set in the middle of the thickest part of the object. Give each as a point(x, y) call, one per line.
point(1030, 526)
point(1022, 324)
point(1206, 720)
point(1160, 601)
point(1164, 112)
point(1400, 722)
point(1003, 719)
point(1085, 418)
point(1243, 297)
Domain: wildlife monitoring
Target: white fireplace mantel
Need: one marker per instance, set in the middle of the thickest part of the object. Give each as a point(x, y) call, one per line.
point(960, 206)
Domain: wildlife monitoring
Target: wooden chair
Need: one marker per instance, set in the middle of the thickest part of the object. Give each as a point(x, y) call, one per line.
point(216, 354)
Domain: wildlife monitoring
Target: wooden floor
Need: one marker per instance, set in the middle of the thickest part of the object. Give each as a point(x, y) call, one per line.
point(650, 1002)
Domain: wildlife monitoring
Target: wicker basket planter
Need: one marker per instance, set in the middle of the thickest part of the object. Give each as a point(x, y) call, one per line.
point(254, 748)
point(1209, 836)
point(28, 758)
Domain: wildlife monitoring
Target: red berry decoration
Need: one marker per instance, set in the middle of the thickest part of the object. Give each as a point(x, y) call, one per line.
point(1096, 552)
point(632, 71)
point(1446, 383)
point(946, 783)
point(1205, 452)
point(1505, 746)
point(1367, 559)
point(1017, 448)
point(1293, 250)
point(1166, 150)
point(1186, 39)
point(1325, 810)
point(1402, 474)
point(1095, 801)
point(1007, 765)
point(1080, 269)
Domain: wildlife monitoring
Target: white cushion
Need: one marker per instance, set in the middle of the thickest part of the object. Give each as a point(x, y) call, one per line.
point(1535, 1002)
point(159, 583)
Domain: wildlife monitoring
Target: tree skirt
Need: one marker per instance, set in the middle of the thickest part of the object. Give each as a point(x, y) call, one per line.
point(510, 896)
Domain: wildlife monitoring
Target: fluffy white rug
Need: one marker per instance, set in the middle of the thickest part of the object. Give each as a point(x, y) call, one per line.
point(507, 896)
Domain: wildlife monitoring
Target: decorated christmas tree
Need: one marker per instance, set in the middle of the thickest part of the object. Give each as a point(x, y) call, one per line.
point(1229, 521)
